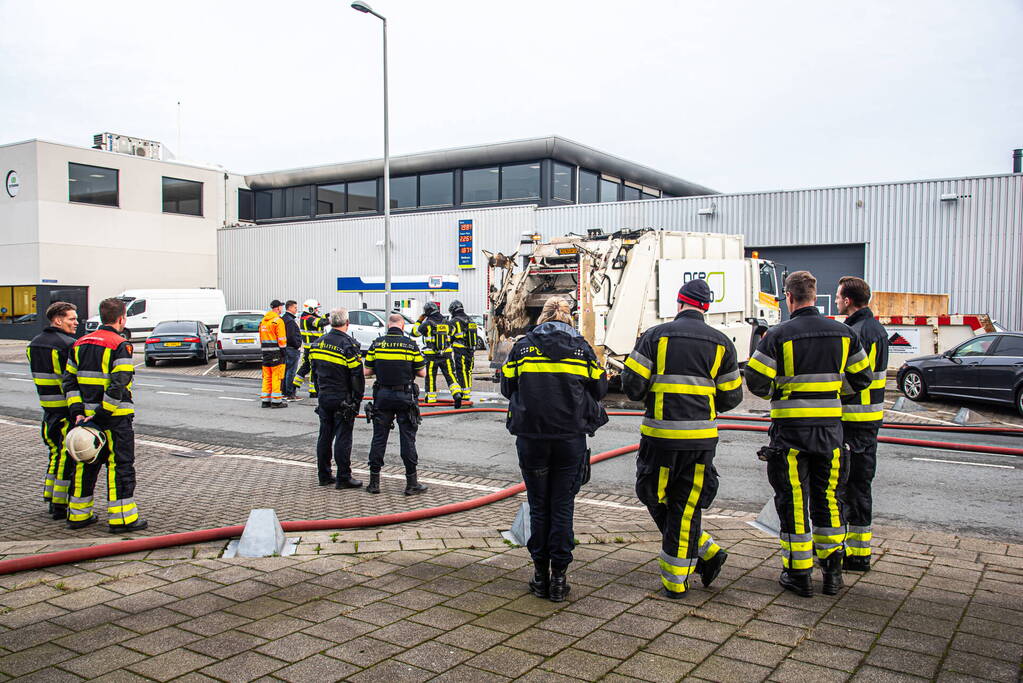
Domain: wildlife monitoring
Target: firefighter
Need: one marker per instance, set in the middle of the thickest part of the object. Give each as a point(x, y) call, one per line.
point(97, 383)
point(337, 372)
point(273, 340)
point(395, 361)
point(311, 325)
point(435, 330)
point(862, 414)
point(463, 347)
point(553, 383)
point(686, 372)
point(800, 366)
point(47, 358)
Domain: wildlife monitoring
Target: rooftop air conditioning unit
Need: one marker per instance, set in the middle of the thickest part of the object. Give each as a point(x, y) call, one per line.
point(124, 144)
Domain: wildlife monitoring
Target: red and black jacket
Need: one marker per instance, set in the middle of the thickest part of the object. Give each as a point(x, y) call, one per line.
point(99, 376)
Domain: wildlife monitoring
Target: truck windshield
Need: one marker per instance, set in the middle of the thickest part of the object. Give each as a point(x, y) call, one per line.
point(768, 282)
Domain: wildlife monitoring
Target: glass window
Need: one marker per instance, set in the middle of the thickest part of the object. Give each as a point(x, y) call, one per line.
point(1010, 346)
point(521, 181)
point(629, 193)
point(264, 205)
point(92, 184)
point(241, 323)
point(182, 196)
point(479, 185)
point(362, 196)
point(246, 205)
point(330, 199)
point(403, 192)
point(297, 202)
point(976, 347)
point(587, 187)
point(136, 307)
point(176, 327)
point(437, 189)
point(647, 195)
point(359, 317)
point(608, 191)
point(767, 279)
point(561, 181)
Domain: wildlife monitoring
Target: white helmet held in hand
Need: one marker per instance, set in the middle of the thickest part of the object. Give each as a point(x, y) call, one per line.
point(83, 443)
point(311, 305)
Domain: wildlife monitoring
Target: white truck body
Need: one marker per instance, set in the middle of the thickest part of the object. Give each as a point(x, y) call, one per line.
point(148, 307)
point(912, 336)
point(626, 283)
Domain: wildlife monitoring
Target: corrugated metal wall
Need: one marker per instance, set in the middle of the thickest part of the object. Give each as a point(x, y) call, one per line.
point(970, 248)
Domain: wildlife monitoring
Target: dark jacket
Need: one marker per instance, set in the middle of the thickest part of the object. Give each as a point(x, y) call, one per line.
point(553, 382)
point(394, 359)
point(436, 331)
point(866, 408)
point(464, 335)
point(337, 367)
point(687, 373)
point(98, 378)
point(311, 327)
point(47, 358)
point(291, 329)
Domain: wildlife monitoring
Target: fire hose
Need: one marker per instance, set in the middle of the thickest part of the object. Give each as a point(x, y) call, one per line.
point(206, 535)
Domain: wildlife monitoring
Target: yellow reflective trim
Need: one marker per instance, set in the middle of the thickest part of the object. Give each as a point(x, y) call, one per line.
point(554, 367)
point(508, 370)
point(679, 433)
point(796, 546)
point(857, 367)
point(859, 535)
point(123, 367)
point(857, 552)
point(863, 417)
point(47, 382)
point(670, 388)
point(801, 564)
point(765, 370)
point(111, 468)
point(878, 384)
point(95, 381)
point(728, 386)
point(719, 355)
point(690, 509)
point(846, 341)
point(798, 521)
point(672, 569)
point(122, 508)
point(821, 538)
point(660, 362)
point(789, 365)
point(637, 368)
point(836, 465)
point(73, 400)
point(814, 386)
point(60, 403)
point(807, 412)
point(662, 485)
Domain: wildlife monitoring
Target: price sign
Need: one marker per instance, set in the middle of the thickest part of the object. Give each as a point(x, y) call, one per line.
point(465, 252)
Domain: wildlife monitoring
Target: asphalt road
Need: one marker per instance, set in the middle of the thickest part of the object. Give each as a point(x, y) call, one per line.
point(936, 489)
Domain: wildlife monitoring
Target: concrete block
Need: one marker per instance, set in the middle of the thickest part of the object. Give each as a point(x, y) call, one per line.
point(519, 532)
point(262, 537)
point(767, 521)
point(904, 405)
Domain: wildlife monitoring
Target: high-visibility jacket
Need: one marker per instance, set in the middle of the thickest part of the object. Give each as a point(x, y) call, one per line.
point(686, 372)
point(47, 358)
point(436, 333)
point(866, 408)
point(801, 364)
point(311, 326)
point(337, 367)
point(464, 334)
point(273, 337)
point(395, 359)
point(99, 374)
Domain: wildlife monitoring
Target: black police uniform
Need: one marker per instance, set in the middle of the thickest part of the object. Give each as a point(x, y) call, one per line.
point(800, 366)
point(337, 374)
point(311, 326)
point(862, 414)
point(464, 337)
point(395, 359)
point(553, 382)
point(686, 373)
point(97, 383)
point(47, 358)
point(436, 330)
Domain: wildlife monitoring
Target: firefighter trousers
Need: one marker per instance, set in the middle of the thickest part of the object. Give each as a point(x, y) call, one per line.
point(273, 376)
point(54, 428)
point(553, 471)
point(675, 486)
point(857, 495)
point(118, 454)
point(304, 371)
point(464, 359)
point(806, 487)
point(447, 368)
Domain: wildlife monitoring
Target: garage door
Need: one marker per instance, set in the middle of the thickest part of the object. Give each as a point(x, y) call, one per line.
point(828, 263)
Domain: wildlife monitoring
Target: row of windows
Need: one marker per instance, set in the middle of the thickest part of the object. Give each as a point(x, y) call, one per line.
point(101, 186)
point(594, 188)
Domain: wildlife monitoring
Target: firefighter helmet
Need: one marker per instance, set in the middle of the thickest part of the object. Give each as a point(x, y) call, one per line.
point(311, 305)
point(83, 443)
point(430, 307)
point(456, 305)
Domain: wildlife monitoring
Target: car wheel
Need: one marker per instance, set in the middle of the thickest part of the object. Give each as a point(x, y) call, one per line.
point(1019, 400)
point(150, 362)
point(222, 365)
point(913, 386)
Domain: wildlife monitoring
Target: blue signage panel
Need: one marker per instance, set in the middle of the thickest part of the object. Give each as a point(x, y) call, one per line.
point(465, 255)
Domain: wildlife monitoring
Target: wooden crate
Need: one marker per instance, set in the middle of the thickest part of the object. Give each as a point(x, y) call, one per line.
point(908, 303)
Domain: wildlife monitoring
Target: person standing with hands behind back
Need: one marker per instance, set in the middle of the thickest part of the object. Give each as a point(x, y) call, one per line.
point(273, 339)
point(553, 382)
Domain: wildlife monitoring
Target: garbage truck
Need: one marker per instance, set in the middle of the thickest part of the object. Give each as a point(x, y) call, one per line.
point(623, 283)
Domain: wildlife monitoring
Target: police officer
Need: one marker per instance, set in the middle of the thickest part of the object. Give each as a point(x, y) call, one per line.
point(553, 382)
point(435, 330)
point(47, 358)
point(337, 373)
point(97, 383)
point(862, 414)
point(311, 325)
point(273, 339)
point(686, 373)
point(395, 360)
point(463, 346)
point(800, 366)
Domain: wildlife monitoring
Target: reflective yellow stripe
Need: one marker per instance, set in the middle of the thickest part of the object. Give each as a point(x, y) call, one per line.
point(719, 354)
point(728, 386)
point(95, 381)
point(47, 382)
point(111, 468)
point(862, 417)
point(690, 509)
point(857, 367)
point(554, 367)
point(508, 370)
point(637, 368)
point(59, 403)
point(789, 365)
point(661, 362)
point(813, 386)
point(807, 412)
point(836, 464)
point(797, 545)
point(798, 521)
point(679, 433)
point(123, 367)
point(757, 366)
point(671, 388)
point(662, 485)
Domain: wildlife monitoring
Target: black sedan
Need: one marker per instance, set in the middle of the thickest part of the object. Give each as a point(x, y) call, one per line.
point(986, 368)
point(180, 339)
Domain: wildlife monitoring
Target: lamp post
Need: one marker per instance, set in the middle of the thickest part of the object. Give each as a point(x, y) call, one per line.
point(366, 9)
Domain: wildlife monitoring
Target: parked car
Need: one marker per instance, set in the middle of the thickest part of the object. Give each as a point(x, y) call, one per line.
point(481, 331)
point(985, 368)
point(238, 338)
point(149, 307)
point(180, 339)
point(366, 324)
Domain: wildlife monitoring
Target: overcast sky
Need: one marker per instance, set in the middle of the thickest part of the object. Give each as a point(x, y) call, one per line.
point(737, 96)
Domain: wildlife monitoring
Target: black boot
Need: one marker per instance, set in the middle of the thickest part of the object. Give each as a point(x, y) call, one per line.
point(558, 589)
point(265, 404)
point(88, 521)
point(797, 581)
point(458, 401)
point(832, 569)
point(374, 483)
point(347, 483)
point(709, 569)
point(540, 585)
point(412, 485)
point(137, 525)
point(327, 481)
point(58, 511)
point(856, 563)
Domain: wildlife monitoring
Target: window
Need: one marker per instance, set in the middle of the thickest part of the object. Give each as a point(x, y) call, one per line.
point(1010, 346)
point(241, 323)
point(362, 196)
point(246, 205)
point(608, 191)
point(767, 279)
point(561, 181)
point(587, 187)
point(182, 196)
point(480, 185)
point(136, 307)
point(92, 185)
point(647, 195)
point(629, 193)
point(977, 347)
point(330, 199)
point(403, 192)
point(361, 318)
point(176, 327)
point(437, 189)
point(298, 201)
point(264, 204)
point(521, 181)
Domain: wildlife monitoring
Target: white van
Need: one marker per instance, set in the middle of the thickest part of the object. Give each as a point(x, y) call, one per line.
point(148, 307)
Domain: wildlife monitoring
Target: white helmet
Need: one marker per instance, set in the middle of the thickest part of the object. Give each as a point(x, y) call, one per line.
point(83, 443)
point(311, 305)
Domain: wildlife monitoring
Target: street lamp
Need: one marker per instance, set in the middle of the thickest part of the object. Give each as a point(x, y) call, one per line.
point(366, 9)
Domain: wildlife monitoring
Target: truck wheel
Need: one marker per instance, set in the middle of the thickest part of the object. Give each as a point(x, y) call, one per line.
point(222, 365)
point(913, 386)
point(150, 362)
